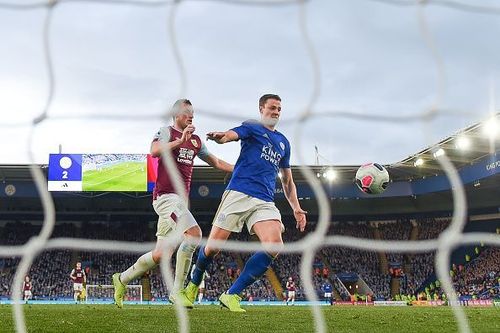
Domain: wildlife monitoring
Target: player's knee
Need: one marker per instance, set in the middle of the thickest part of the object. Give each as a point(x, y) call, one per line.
point(194, 233)
point(210, 251)
point(156, 254)
point(274, 248)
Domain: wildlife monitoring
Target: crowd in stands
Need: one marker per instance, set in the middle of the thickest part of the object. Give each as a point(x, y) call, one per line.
point(480, 276)
point(50, 270)
point(365, 264)
point(479, 279)
point(98, 161)
point(399, 230)
point(422, 265)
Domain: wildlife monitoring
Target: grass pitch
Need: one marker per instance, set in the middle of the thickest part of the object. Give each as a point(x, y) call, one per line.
point(108, 318)
point(125, 176)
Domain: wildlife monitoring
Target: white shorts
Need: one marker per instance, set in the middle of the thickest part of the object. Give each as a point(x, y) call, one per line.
point(202, 285)
point(172, 211)
point(237, 209)
point(27, 293)
point(77, 286)
point(291, 293)
point(328, 295)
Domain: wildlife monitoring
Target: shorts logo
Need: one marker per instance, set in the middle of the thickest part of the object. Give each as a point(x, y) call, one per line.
point(282, 145)
point(173, 216)
point(221, 217)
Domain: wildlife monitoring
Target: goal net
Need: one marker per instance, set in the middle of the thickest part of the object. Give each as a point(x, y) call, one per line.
point(339, 69)
point(103, 293)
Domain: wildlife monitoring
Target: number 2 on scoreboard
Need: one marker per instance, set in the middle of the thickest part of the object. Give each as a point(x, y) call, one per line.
point(65, 174)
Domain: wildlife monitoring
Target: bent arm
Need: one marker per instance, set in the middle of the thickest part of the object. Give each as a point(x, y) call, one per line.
point(157, 147)
point(162, 141)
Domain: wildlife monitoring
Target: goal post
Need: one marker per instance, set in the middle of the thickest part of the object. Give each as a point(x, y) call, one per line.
point(103, 293)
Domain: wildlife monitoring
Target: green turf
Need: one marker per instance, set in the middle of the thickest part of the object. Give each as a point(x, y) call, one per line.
point(108, 318)
point(126, 176)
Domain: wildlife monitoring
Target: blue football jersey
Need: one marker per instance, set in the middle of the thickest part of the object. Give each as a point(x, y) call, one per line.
point(263, 153)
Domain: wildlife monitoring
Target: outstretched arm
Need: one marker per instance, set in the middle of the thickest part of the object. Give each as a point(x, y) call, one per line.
point(223, 137)
point(217, 163)
point(290, 191)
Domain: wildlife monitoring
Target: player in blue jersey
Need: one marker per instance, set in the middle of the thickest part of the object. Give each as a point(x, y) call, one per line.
point(249, 197)
point(327, 290)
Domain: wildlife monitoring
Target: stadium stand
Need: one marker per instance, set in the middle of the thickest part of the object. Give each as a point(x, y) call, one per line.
point(478, 279)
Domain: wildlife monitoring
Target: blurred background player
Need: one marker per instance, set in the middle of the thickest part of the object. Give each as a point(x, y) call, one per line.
point(27, 289)
point(79, 278)
point(170, 207)
point(201, 287)
point(291, 289)
point(327, 290)
point(249, 199)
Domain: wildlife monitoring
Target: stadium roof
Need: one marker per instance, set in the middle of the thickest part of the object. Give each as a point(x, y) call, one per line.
point(482, 139)
point(481, 145)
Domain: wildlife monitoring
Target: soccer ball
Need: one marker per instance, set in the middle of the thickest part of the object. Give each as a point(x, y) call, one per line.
point(372, 178)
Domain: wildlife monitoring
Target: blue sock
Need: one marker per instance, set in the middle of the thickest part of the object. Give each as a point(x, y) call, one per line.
point(202, 264)
point(255, 267)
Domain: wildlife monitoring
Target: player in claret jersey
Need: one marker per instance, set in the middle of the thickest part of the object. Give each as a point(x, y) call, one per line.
point(291, 289)
point(180, 140)
point(79, 278)
point(27, 288)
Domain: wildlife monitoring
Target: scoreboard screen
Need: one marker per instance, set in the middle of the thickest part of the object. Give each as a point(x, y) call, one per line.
point(102, 172)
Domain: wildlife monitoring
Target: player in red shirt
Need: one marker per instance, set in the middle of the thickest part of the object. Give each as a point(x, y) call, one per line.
point(172, 210)
point(79, 278)
point(27, 287)
point(290, 287)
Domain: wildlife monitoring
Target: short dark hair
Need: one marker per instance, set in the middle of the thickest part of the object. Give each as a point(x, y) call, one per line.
point(265, 97)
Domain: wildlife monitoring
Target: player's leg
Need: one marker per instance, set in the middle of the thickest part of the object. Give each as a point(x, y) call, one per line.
point(192, 237)
point(200, 296)
point(75, 292)
point(227, 219)
point(269, 233)
point(205, 258)
point(145, 263)
point(164, 206)
point(207, 253)
point(233, 210)
point(264, 220)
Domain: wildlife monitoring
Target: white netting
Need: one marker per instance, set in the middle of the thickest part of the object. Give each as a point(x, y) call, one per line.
point(447, 241)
